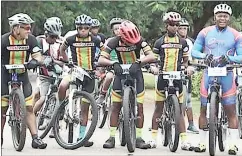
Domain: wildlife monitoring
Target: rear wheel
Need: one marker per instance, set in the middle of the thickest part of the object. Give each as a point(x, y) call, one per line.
point(129, 118)
point(121, 130)
point(18, 117)
point(222, 131)
point(212, 123)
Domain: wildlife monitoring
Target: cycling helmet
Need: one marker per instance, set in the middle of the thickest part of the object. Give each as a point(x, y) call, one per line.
point(184, 22)
point(52, 27)
point(129, 32)
point(83, 19)
point(172, 17)
point(20, 18)
point(115, 21)
point(222, 8)
point(95, 23)
point(58, 20)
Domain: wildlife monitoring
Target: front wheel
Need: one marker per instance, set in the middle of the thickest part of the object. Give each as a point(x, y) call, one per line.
point(18, 119)
point(174, 123)
point(213, 123)
point(63, 121)
point(222, 131)
point(129, 118)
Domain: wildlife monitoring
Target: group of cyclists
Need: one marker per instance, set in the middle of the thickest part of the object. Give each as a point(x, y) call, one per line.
point(216, 44)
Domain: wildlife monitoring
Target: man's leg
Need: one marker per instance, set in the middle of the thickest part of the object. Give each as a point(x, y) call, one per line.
point(191, 127)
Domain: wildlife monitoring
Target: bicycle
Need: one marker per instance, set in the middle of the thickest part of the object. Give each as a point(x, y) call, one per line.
point(128, 113)
point(216, 117)
point(239, 100)
point(169, 121)
point(17, 108)
point(70, 112)
point(45, 114)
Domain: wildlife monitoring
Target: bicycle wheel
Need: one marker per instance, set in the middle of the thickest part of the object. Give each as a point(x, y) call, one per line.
point(129, 118)
point(239, 107)
point(164, 132)
point(70, 123)
point(121, 130)
point(174, 123)
point(18, 119)
point(47, 114)
point(102, 115)
point(212, 123)
point(222, 131)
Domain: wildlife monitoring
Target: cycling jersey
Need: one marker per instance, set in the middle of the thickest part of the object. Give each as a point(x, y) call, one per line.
point(101, 37)
point(17, 51)
point(190, 43)
point(83, 50)
point(113, 54)
point(126, 54)
point(228, 42)
point(52, 50)
point(171, 51)
point(211, 40)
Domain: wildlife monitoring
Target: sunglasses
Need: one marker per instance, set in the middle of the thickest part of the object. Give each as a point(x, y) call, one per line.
point(26, 27)
point(83, 27)
point(174, 24)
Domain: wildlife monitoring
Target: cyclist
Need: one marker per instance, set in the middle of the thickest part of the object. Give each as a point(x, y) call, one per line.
point(114, 25)
point(173, 52)
point(220, 42)
point(127, 46)
point(17, 45)
point(50, 48)
point(95, 30)
point(182, 32)
point(83, 48)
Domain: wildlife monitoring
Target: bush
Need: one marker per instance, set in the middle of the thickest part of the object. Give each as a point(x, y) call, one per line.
point(196, 81)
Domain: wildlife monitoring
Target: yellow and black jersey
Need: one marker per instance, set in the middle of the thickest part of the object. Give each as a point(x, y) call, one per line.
point(83, 50)
point(17, 51)
point(126, 54)
point(171, 50)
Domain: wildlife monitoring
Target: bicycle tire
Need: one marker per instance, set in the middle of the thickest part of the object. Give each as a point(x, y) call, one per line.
point(164, 133)
point(129, 128)
point(222, 132)
point(212, 123)
point(18, 134)
point(173, 101)
point(50, 125)
point(91, 129)
point(239, 100)
point(121, 130)
point(102, 118)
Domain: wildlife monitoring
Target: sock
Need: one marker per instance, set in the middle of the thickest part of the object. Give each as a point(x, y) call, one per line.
point(113, 131)
point(82, 131)
point(35, 136)
point(138, 132)
point(154, 134)
point(203, 136)
point(190, 123)
point(233, 136)
point(183, 136)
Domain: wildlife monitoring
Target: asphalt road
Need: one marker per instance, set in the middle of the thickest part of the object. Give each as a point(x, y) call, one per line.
point(99, 137)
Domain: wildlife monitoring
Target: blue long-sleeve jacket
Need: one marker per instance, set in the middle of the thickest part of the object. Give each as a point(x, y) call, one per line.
point(211, 40)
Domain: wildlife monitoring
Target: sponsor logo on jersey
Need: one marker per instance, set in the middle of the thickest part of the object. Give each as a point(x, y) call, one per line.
point(18, 47)
point(90, 44)
point(171, 45)
point(126, 49)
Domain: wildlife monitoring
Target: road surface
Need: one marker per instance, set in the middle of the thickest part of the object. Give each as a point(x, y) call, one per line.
point(99, 137)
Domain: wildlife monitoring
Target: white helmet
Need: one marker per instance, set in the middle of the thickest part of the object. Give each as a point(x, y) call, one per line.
point(83, 19)
point(222, 8)
point(58, 20)
point(115, 20)
point(95, 23)
point(20, 18)
point(184, 22)
point(52, 27)
point(172, 17)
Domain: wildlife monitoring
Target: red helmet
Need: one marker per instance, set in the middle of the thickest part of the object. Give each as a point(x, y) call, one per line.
point(129, 32)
